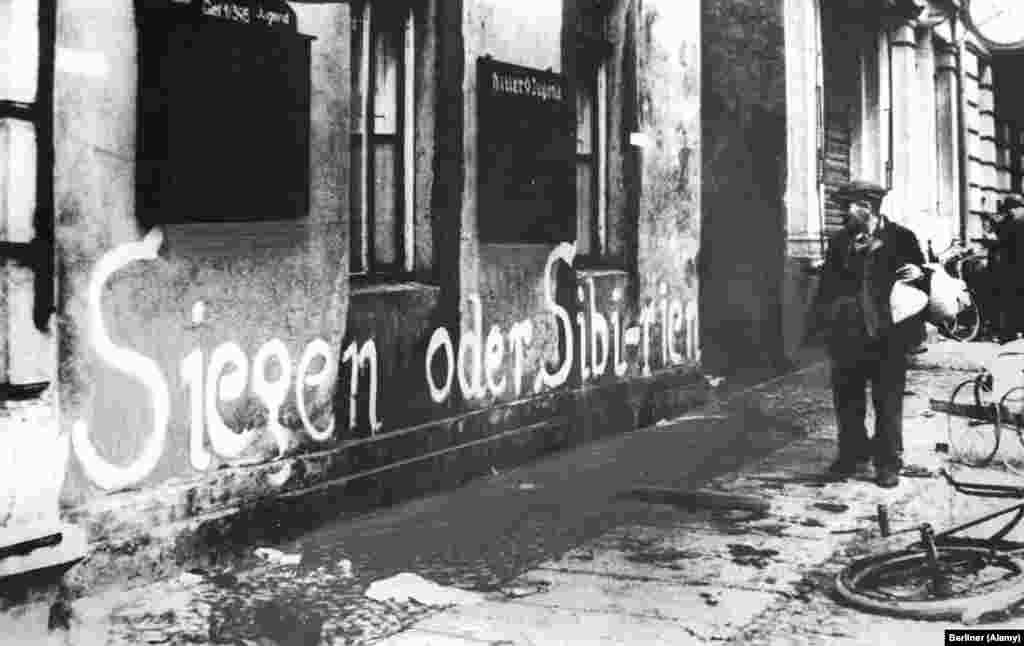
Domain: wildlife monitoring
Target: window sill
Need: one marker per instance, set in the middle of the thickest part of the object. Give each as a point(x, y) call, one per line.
point(234, 239)
point(600, 272)
point(363, 286)
point(599, 265)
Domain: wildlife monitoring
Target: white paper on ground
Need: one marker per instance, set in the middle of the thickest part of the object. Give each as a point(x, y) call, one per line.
point(345, 568)
point(689, 418)
point(406, 586)
point(714, 381)
point(190, 579)
point(277, 557)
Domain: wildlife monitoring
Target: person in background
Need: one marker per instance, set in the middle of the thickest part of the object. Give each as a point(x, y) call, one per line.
point(864, 260)
point(995, 282)
point(1010, 232)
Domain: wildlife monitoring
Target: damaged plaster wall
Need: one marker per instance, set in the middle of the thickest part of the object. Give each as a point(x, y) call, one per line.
point(743, 236)
point(670, 206)
point(507, 278)
point(140, 320)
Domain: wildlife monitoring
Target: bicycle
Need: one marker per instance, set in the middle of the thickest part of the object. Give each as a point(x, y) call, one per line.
point(972, 429)
point(960, 262)
point(942, 576)
point(982, 409)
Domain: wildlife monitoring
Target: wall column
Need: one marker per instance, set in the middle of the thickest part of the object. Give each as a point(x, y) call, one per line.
point(803, 84)
point(946, 91)
point(926, 166)
point(899, 204)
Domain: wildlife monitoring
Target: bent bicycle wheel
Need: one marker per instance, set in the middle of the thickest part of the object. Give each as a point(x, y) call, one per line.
point(972, 442)
point(967, 579)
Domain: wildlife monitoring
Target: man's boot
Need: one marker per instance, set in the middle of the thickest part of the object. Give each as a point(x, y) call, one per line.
point(843, 468)
point(887, 476)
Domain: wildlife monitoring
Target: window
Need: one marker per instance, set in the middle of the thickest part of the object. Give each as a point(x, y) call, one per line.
point(1004, 159)
point(1018, 160)
point(383, 173)
point(591, 120)
point(593, 51)
point(28, 32)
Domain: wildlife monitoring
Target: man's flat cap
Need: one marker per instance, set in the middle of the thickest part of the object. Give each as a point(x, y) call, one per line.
point(852, 191)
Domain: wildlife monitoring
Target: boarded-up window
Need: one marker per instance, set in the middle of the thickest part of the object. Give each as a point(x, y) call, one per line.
point(526, 162)
point(224, 114)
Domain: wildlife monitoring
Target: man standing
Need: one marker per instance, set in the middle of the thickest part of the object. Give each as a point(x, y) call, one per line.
point(1010, 231)
point(864, 261)
point(998, 282)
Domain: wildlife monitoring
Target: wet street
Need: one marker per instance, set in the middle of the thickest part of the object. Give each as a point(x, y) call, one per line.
point(709, 527)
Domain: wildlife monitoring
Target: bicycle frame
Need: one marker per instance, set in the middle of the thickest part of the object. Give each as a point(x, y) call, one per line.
point(984, 491)
point(950, 577)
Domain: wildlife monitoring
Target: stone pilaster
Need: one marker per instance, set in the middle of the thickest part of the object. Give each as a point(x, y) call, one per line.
point(803, 80)
point(899, 204)
point(948, 128)
point(924, 196)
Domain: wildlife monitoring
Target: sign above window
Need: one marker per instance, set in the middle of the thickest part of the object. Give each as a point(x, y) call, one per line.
point(274, 15)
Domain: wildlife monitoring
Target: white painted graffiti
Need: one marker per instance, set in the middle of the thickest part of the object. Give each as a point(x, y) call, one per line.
point(223, 378)
point(227, 376)
point(358, 357)
point(599, 338)
point(595, 343)
point(106, 474)
point(486, 355)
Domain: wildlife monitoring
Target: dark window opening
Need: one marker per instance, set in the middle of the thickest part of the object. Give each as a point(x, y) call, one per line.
point(592, 54)
point(591, 160)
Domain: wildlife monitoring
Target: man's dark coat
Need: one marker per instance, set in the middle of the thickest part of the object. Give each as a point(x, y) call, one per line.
point(840, 283)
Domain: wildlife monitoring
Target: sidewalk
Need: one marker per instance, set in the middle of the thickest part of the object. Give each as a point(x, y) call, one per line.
point(590, 546)
point(737, 578)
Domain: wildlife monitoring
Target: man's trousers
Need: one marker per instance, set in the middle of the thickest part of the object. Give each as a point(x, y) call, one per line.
point(884, 366)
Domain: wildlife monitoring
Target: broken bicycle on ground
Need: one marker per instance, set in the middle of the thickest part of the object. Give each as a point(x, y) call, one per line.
point(950, 575)
point(944, 575)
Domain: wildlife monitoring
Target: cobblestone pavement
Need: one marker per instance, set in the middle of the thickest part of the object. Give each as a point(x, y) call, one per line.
point(566, 551)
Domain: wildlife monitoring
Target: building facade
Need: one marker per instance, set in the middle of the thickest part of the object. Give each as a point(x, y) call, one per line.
point(267, 256)
point(346, 252)
point(902, 94)
point(800, 97)
point(877, 100)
